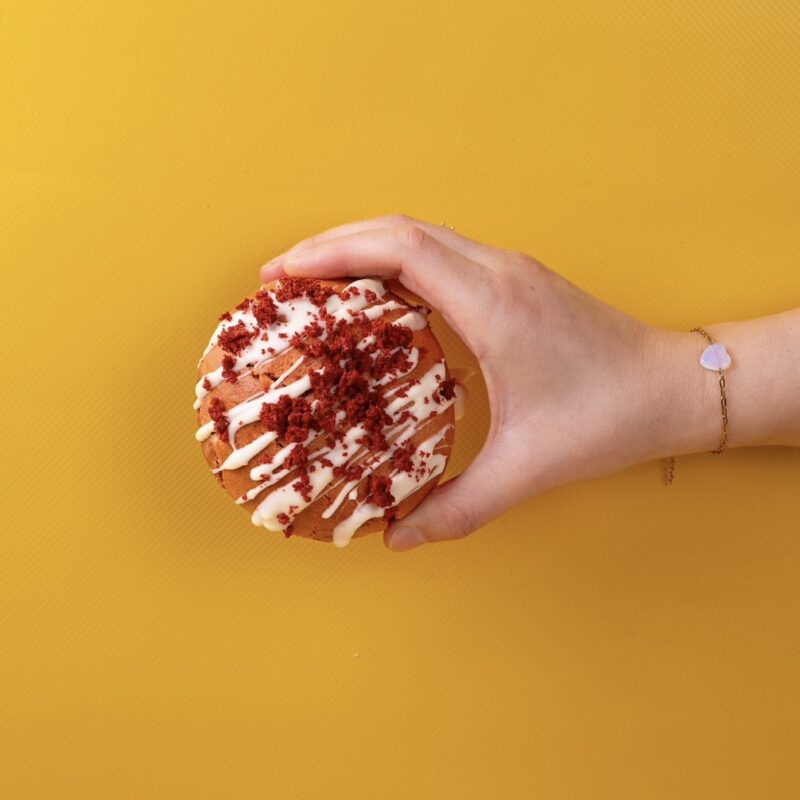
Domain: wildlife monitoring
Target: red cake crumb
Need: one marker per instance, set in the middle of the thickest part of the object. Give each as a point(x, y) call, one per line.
point(370, 296)
point(226, 315)
point(290, 418)
point(228, 371)
point(288, 531)
point(235, 338)
point(297, 458)
point(264, 309)
point(374, 440)
point(405, 416)
point(290, 287)
point(283, 518)
point(216, 410)
point(244, 305)
point(446, 390)
point(390, 513)
point(379, 491)
point(303, 486)
point(207, 384)
point(394, 363)
point(308, 342)
point(401, 458)
point(389, 336)
point(350, 472)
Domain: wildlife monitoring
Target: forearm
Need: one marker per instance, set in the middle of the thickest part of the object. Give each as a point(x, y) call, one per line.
point(763, 386)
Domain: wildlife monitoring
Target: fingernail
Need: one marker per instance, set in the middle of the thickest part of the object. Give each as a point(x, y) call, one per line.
point(405, 539)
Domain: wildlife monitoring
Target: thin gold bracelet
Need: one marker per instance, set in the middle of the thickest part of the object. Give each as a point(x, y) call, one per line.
point(714, 357)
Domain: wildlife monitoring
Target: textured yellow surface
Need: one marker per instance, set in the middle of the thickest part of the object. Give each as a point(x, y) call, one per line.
point(612, 639)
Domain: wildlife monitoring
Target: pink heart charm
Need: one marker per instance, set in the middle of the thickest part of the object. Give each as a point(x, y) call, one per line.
point(715, 357)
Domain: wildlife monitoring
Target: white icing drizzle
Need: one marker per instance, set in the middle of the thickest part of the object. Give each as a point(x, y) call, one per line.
point(366, 342)
point(378, 311)
point(261, 471)
point(414, 320)
point(286, 373)
point(272, 470)
point(297, 312)
point(285, 497)
point(240, 456)
point(340, 498)
point(413, 402)
point(340, 309)
point(426, 465)
point(417, 399)
point(249, 410)
point(400, 439)
point(415, 394)
point(214, 379)
point(370, 465)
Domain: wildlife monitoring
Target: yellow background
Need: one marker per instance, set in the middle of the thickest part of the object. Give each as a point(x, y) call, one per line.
point(612, 639)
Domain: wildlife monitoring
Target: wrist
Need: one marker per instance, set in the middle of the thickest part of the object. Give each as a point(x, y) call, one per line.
point(684, 397)
point(763, 379)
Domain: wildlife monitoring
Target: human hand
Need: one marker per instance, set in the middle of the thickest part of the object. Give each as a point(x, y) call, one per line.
point(577, 389)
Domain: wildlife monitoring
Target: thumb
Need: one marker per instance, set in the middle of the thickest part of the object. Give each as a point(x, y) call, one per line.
point(456, 508)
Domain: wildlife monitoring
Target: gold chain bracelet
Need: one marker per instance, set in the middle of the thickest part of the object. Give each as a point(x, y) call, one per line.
point(714, 357)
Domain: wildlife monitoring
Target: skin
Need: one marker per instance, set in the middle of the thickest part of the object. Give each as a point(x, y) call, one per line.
point(600, 390)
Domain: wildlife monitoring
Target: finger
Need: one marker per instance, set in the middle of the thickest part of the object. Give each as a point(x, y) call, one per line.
point(449, 236)
point(270, 271)
point(444, 233)
point(454, 509)
point(423, 264)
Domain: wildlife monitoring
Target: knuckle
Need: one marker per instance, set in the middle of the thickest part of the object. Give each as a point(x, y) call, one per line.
point(411, 237)
point(398, 219)
point(521, 259)
point(534, 265)
point(457, 520)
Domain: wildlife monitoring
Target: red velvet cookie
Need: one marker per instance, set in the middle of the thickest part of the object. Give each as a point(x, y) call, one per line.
point(325, 408)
